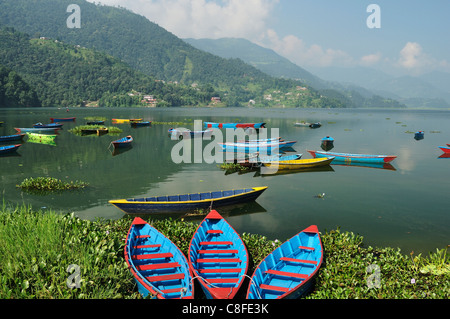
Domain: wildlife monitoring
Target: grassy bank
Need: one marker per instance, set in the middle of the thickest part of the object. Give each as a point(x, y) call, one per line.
point(38, 248)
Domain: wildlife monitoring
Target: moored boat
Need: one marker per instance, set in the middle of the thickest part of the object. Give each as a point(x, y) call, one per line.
point(45, 130)
point(356, 158)
point(123, 142)
point(289, 271)
point(140, 123)
point(158, 266)
point(218, 257)
point(9, 148)
point(95, 130)
point(419, 135)
point(256, 147)
point(177, 134)
point(187, 202)
point(122, 121)
point(64, 119)
point(299, 164)
point(10, 138)
point(302, 124)
point(234, 125)
point(51, 125)
point(315, 125)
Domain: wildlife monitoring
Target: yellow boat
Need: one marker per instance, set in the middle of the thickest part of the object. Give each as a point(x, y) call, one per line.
point(121, 121)
point(300, 163)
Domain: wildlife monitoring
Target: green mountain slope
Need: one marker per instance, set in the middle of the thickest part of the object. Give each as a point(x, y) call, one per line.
point(14, 91)
point(67, 75)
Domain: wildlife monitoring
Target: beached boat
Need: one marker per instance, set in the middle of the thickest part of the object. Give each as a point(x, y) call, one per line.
point(140, 123)
point(122, 121)
point(181, 134)
point(158, 266)
point(11, 138)
point(123, 142)
point(51, 125)
point(187, 202)
point(289, 271)
point(299, 164)
point(44, 130)
point(9, 149)
point(255, 147)
point(218, 257)
point(354, 158)
point(445, 149)
point(64, 119)
point(234, 125)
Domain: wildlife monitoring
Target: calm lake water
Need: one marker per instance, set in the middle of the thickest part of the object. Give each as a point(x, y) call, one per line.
point(405, 206)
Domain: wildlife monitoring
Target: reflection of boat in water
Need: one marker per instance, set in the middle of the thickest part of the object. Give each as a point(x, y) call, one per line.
point(120, 150)
point(445, 155)
point(37, 138)
point(264, 171)
point(386, 166)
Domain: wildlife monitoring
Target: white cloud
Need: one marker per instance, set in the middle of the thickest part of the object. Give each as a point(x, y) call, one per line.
point(371, 59)
point(204, 18)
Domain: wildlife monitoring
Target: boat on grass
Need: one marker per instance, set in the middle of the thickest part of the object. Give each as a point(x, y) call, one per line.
point(123, 142)
point(218, 257)
point(289, 271)
point(9, 148)
point(187, 202)
point(11, 138)
point(63, 119)
point(158, 266)
point(299, 164)
point(354, 158)
point(234, 125)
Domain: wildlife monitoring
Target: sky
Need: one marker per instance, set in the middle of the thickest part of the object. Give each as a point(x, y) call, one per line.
point(401, 37)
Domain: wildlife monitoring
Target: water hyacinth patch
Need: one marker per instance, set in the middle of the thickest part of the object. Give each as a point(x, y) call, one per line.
point(49, 184)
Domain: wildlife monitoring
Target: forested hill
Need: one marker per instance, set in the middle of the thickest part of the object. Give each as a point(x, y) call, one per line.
point(156, 52)
point(130, 37)
point(69, 75)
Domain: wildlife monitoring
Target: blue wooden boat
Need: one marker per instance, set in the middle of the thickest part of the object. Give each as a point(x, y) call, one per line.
point(218, 257)
point(65, 119)
point(256, 147)
point(158, 266)
point(234, 125)
point(288, 272)
point(140, 123)
point(187, 202)
point(354, 158)
point(99, 122)
point(9, 149)
point(178, 134)
point(51, 125)
point(123, 142)
point(420, 135)
point(315, 125)
point(10, 138)
point(257, 161)
point(44, 130)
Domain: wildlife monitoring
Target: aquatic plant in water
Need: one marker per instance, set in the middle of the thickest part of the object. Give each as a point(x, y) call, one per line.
point(46, 184)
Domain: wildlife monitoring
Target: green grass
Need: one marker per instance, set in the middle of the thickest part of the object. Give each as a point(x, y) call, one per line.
point(38, 247)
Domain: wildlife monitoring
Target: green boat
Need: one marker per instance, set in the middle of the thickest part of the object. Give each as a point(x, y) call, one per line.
point(41, 138)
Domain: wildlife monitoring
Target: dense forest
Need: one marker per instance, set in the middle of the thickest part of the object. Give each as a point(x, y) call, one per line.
point(14, 91)
point(58, 68)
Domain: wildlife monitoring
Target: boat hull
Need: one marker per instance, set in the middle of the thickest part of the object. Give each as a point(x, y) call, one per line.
point(234, 125)
point(9, 149)
point(158, 266)
point(354, 158)
point(445, 149)
point(255, 147)
point(187, 202)
point(51, 125)
point(289, 271)
point(218, 257)
point(299, 164)
point(11, 138)
point(123, 142)
point(37, 130)
point(66, 119)
point(122, 121)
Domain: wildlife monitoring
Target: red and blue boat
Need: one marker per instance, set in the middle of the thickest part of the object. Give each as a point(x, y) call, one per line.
point(289, 271)
point(354, 158)
point(218, 257)
point(11, 138)
point(159, 268)
point(445, 149)
point(187, 202)
point(123, 142)
point(9, 149)
point(43, 130)
point(234, 125)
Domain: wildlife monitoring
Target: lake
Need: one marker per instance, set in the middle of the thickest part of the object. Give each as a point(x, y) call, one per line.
point(401, 206)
